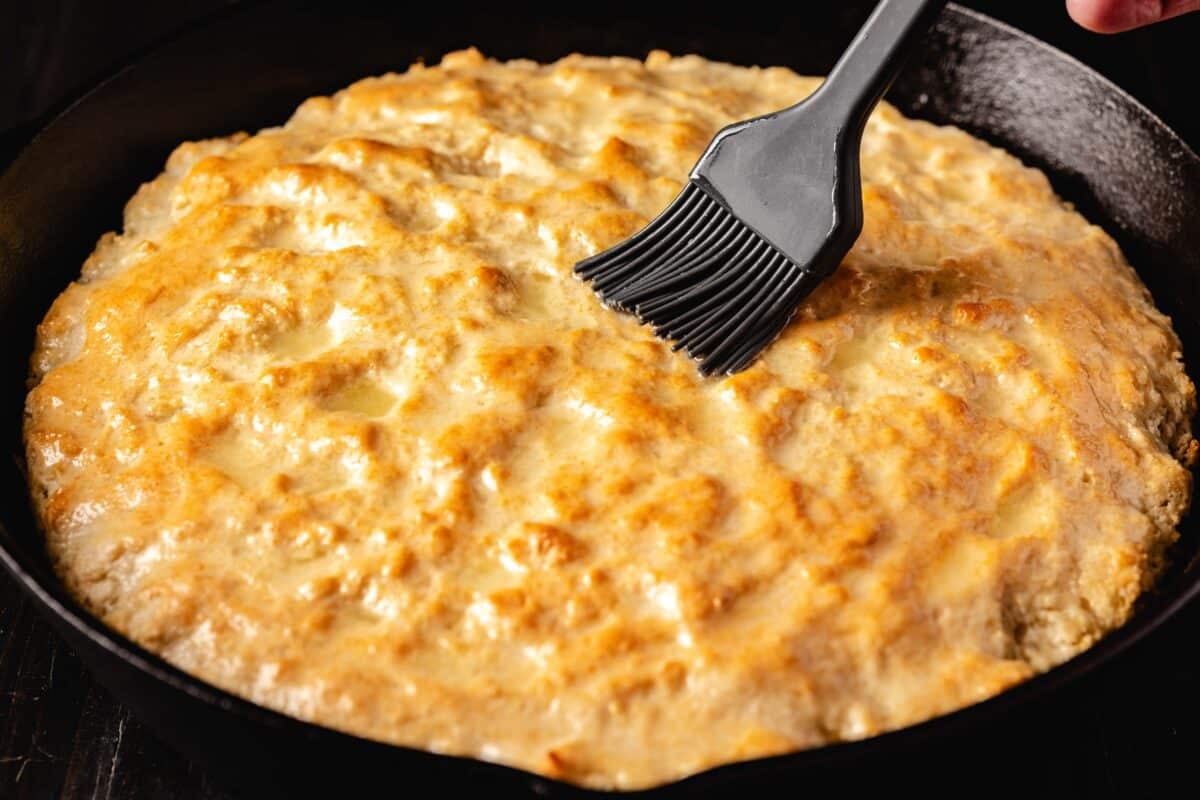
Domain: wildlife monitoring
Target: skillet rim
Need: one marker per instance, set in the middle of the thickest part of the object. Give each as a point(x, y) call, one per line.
point(1100, 78)
point(50, 596)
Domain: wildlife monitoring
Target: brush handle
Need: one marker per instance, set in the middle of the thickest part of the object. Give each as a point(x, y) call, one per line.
point(793, 177)
point(874, 58)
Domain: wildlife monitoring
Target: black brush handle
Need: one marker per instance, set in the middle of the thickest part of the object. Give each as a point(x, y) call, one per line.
point(874, 58)
point(793, 176)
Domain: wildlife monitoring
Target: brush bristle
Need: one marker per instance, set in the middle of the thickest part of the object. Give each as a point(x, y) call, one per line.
point(702, 278)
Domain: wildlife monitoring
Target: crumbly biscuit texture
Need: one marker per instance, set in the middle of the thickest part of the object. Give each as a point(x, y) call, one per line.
point(332, 425)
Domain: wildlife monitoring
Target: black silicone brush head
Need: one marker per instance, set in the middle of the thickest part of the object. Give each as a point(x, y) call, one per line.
point(773, 206)
point(771, 209)
point(702, 278)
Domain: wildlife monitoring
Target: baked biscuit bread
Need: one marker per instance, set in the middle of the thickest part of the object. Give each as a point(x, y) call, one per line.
point(331, 425)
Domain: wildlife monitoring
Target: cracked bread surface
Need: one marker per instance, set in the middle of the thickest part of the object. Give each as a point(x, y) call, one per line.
point(331, 425)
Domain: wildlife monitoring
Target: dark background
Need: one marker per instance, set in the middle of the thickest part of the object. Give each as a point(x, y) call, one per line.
point(1132, 728)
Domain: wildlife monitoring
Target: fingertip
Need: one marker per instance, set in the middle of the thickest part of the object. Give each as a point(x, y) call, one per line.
point(1114, 16)
point(1084, 13)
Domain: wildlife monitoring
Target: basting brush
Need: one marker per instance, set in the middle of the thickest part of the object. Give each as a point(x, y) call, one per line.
point(769, 211)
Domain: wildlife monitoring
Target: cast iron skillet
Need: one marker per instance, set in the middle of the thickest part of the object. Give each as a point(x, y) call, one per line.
point(248, 69)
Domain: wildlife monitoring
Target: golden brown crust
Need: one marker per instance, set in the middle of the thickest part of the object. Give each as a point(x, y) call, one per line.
point(332, 426)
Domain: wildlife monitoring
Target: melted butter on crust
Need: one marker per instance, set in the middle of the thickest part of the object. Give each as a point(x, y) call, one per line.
point(332, 426)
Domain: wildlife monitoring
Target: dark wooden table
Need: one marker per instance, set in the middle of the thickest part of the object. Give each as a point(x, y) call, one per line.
point(1130, 729)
